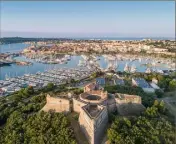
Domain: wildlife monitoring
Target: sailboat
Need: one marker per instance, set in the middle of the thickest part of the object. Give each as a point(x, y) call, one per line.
point(133, 69)
point(84, 57)
point(153, 64)
point(126, 68)
point(148, 70)
point(7, 77)
point(116, 65)
point(110, 65)
point(68, 57)
point(140, 60)
point(81, 63)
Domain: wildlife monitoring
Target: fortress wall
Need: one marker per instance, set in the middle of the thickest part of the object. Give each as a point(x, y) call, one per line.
point(103, 115)
point(104, 94)
point(112, 108)
point(128, 100)
point(87, 89)
point(57, 104)
point(99, 93)
point(101, 127)
point(77, 105)
point(111, 105)
point(94, 129)
point(86, 125)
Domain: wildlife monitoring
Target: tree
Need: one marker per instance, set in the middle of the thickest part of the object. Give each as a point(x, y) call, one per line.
point(160, 77)
point(165, 83)
point(30, 90)
point(159, 93)
point(149, 128)
point(172, 85)
point(50, 86)
point(72, 81)
point(37, 128)
point(78, 91)
point(94, 75)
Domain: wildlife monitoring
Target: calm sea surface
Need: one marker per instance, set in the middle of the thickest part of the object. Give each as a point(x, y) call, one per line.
point(16, 70)
point(13, 47)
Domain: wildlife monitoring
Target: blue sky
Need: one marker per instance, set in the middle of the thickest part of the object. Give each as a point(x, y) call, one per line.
point(88, 19)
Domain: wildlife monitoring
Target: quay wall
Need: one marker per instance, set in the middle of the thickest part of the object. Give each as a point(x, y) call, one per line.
point(129, 100)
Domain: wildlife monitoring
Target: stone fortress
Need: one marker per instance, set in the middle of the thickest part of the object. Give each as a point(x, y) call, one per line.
point(93, 106)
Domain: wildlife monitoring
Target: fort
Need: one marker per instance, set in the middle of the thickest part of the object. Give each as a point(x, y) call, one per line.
point(93, 106)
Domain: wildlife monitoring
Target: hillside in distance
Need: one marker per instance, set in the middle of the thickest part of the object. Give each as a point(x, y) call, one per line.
point(10, 40)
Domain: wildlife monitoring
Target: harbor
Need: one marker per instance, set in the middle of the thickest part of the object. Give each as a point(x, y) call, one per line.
point(34, 62)
point(41, 79)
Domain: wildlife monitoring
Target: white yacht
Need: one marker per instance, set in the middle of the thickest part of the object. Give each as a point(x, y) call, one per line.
point(160, 71)
point(7, 77)
point(68, 57)
point(91, 61)
point(153, 63)
point(140, 60)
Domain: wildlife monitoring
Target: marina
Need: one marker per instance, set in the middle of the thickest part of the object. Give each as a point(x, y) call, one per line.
point(41, 79)
point(116, 62)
